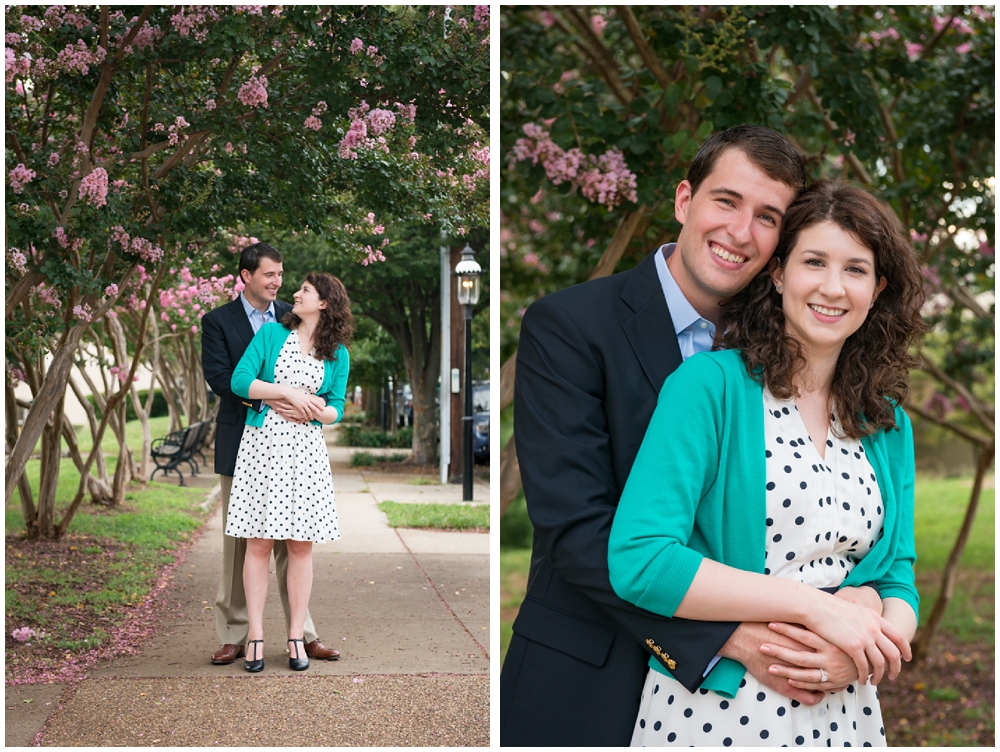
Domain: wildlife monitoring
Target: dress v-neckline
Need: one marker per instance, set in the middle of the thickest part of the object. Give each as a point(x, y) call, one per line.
point(826, 440)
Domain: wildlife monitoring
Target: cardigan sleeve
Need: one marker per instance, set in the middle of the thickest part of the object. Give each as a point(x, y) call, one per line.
point(898, 581)
point(252, 362)
point(341, 368)
point(649, 559)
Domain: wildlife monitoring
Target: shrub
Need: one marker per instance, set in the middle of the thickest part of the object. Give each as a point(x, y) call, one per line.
point(158, 410)
point(362, 436)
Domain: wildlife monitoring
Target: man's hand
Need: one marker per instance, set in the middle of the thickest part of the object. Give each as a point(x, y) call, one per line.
point(745, 646)
point(862, 596)
point(294, 414)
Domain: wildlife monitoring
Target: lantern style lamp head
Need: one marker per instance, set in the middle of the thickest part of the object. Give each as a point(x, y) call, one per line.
point(468, 273)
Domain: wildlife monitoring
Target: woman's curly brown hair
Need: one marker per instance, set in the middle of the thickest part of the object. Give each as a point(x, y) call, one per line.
point(336, 322)
point(871, 374)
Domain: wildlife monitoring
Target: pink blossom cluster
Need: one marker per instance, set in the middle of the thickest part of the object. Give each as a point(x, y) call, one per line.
point(30, 23)
point(209, 104)
point(372, 255)
point(253, 92)
point(77, 21)
point(176, 130)
point(17, 260)
point(77, 58)
point(25, 633)
point(83, 313)
point(53, 159)
point(605, 180)
point(94, 187)
point(238, 242)
point(146, 37)
point(598, 23)
point(65, 241)
point(12, 40)
point(48, 295)
point(313, 120)
point(137, 246)
point(481, 16)
point(356, 46)
point(407, 111)
point(121, 372)
point(111, 290)
point(16, 375)
point(250, 10)
point(15, 66)
point(194, 21)
point(19, 177)
point(380, 121)
point(184, 304)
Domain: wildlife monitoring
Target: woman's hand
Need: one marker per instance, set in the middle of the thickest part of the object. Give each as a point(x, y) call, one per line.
point(309, 406)
point(873, 643)
point(802, 667)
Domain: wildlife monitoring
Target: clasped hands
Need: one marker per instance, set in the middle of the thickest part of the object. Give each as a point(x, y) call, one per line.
point(791, 659)
point(298, 407)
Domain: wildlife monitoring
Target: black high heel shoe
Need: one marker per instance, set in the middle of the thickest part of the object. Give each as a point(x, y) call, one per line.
point(256, 666)
point(297, 663)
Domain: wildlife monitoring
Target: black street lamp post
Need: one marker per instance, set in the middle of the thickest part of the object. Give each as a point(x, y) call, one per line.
point(468, 272)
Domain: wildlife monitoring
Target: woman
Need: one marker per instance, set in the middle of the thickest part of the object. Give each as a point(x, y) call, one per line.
point(796, 475)
point(283, 487)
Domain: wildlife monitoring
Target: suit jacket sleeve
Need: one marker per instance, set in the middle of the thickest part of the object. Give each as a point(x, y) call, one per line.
point(565, 457)
point(215, 360)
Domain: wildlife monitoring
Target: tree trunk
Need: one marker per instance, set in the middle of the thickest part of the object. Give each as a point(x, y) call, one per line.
point(45, 515)
point(12, 429)
point(424, 385)
point(50, 395)
point(101, 489)
point(922, 646)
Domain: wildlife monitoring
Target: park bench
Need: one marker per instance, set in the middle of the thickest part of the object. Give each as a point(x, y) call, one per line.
point(180, 446)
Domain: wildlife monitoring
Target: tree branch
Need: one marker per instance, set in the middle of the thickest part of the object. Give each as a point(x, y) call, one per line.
point(642, 46)
point(982, 412)
point(855, 164)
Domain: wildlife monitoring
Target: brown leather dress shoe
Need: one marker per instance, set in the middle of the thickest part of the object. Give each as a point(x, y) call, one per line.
point(321, 652)
point(227, 654)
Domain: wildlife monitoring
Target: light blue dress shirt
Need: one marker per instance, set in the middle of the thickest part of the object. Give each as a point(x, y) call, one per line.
point(257, 319)
point(694, 333)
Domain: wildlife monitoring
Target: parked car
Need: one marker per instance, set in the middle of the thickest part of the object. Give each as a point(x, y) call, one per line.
point(481, 422)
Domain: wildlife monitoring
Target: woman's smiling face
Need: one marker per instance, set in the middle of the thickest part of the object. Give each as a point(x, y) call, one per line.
point(827, 287)
point(307, 300)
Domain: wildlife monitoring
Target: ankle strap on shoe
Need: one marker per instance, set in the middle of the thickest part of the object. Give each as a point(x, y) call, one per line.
point(296, 639)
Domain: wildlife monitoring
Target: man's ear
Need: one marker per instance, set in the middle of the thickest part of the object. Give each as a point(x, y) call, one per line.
point(246, 279)
point(682, 200)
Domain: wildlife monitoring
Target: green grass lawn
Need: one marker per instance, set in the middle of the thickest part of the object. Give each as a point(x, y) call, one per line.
point(939, 506)
point(437, 516)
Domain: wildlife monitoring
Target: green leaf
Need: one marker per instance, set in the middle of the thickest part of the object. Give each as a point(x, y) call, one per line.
point(704, 130)
point(713, 85)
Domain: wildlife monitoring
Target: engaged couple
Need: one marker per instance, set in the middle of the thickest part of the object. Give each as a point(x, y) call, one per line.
point(720, 475)
point(280, 373)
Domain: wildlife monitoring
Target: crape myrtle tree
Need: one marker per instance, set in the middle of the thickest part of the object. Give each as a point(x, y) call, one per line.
point(603, 107)
point(136, 134)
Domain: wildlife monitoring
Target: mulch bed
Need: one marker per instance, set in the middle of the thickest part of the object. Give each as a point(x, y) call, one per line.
point(62, 613)
point(947, 700)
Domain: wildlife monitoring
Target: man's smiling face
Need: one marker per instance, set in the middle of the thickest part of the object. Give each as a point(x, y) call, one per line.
point(731, 227)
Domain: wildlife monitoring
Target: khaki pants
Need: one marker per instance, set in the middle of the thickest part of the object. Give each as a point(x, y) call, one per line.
point(231, 602)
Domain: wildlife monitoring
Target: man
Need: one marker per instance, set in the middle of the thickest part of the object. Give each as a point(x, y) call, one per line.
point(590, 364)
point(225, 334)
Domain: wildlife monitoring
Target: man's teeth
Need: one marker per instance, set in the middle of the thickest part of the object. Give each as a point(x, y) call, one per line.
point(828, 311)
point(726, 255)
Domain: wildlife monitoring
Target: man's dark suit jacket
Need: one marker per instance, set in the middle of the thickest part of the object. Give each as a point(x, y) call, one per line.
point(225, 334)
point(590, 364)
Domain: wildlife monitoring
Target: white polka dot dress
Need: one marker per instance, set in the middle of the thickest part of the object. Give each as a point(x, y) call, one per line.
point(282, 486)
point(823, 515)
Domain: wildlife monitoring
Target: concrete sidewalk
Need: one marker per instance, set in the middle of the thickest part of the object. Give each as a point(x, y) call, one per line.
point(408, 609)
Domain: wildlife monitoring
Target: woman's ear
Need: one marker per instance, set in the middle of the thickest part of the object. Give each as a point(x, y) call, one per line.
point(777, 273)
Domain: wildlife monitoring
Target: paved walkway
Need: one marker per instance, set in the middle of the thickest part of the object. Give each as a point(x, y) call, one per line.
point(408, 609)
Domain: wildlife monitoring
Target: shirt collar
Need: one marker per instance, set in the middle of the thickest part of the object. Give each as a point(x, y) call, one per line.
point(682, 312)
point(250, 310)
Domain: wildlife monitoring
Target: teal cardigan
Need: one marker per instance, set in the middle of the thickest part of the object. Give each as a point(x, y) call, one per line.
point(260, 358)
point(696, 490)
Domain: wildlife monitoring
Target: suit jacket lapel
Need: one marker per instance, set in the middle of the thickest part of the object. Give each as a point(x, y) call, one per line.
point(241, 324)
point(650, 330)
